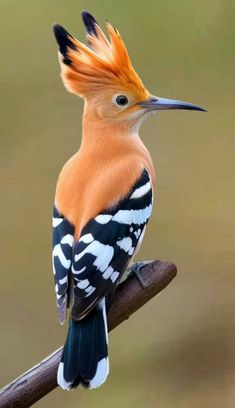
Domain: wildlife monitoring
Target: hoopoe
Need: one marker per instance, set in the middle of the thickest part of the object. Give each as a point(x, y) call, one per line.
point(104, 194)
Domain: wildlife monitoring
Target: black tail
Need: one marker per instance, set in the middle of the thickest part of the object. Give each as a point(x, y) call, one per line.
point(85, 356)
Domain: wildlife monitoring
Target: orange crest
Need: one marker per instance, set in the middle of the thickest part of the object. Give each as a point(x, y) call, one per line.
point(86, 69)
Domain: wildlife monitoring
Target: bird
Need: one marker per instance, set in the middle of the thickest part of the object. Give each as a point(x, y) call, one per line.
point(104, 194)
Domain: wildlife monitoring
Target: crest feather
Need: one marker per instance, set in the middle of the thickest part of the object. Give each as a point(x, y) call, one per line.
point(86, 68)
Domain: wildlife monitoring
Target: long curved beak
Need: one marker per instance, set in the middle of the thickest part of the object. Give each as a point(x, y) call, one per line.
point(154, 103)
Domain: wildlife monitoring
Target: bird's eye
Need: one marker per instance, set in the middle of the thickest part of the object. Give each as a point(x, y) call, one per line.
point(121, 100)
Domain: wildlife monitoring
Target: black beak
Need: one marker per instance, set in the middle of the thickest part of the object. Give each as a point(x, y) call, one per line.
point(154, 103)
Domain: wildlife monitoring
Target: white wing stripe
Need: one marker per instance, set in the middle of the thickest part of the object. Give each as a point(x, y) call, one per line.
point(87, 238)
point(125, 244)
point(63, 281)
point(83, 284)
point(57, 251)
point(56, 222)
point(104, 258)
point(90, 292)
point(78, 271)
point(108, 272)
point(114, 276)
point(89, 289)
point(141, 191)
point(103, 254)
point(103, 218)
point(68, 239)
point(133, 216)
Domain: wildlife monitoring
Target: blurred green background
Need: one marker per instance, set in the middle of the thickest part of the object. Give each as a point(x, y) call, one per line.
point(179, 350)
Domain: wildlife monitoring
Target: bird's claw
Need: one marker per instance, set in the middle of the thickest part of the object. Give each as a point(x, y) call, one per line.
point(135, 269)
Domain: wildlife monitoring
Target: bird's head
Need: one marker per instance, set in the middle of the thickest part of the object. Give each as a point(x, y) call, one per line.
point(102, 73)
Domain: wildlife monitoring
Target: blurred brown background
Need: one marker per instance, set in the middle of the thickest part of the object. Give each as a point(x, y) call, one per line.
point(179, 350)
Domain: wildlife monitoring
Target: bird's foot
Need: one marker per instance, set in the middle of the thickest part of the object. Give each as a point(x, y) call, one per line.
point(135, 269)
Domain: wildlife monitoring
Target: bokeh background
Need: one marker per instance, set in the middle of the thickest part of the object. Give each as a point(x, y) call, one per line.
point(179, 350)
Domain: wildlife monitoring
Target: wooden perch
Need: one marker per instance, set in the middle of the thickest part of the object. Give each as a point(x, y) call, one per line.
point(129, 297)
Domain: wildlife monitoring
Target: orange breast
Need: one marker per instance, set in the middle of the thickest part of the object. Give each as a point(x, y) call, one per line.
point(98, 176)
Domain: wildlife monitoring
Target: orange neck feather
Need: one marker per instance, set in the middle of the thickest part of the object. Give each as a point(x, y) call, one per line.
point(108, 163)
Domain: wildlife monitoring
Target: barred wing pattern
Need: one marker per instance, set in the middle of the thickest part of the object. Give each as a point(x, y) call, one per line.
point(106, 245)
point(62, 255)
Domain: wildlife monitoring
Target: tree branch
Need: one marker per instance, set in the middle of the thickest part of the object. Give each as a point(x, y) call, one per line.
point(130, 296)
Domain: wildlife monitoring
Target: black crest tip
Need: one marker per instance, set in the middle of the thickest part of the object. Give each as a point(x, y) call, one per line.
point(63, 39)
point(89, 22)
point(60, 34)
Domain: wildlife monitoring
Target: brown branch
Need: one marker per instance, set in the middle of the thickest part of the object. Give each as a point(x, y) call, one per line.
point(130, 296)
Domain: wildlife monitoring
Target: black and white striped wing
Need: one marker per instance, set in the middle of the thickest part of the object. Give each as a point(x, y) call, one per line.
point(63, 240)
point(106, 246)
